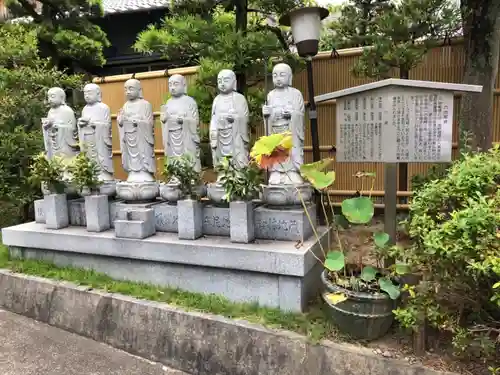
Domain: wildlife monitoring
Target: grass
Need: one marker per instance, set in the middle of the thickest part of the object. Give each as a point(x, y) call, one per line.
point(314, 324)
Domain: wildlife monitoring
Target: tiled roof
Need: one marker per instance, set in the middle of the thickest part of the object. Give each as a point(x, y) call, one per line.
point(125, 6)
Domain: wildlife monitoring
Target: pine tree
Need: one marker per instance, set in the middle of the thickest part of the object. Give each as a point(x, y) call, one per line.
point(355, 27)
point(216, 35)
point(399, 33)
point(65, 31)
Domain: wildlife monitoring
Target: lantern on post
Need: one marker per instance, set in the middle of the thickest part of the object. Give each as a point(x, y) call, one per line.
point(306, 29)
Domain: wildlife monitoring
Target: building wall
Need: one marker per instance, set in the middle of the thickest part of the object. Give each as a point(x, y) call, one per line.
point(122, 30)
point(443, 64)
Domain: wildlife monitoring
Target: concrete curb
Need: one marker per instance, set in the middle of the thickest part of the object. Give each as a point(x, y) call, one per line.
point(197, 343)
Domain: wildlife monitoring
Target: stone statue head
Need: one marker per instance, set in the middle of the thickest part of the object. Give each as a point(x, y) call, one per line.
point(177, 85)
point(92, 93)
point(282, 75)
point(133, 89)
point(226, 81)
point(56, 97)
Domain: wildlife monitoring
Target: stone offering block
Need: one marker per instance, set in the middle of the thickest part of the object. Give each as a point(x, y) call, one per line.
point(242, 219)
point(166, 217)
point(216, 220)
point(138, 223)
point(56, 211)
point(122, 205)
point(190, 219)
point(97, 213)
point(284, 224)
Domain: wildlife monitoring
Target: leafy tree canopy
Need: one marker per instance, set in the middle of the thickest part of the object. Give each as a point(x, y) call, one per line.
point(399, 33)
point(223, 35)
point(64, 29)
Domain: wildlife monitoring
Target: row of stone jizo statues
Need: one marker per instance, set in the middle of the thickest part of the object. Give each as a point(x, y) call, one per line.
point(66, 136)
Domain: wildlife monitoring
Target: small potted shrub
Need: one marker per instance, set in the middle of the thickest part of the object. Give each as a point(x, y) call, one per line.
point(84, 174)
point(180, 170)
point(49, 174)
point(360, 297)
point(241, 186)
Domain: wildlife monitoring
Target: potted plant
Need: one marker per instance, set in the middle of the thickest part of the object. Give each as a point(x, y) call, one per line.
point(180, 171)
point(240, 186)
point(49, 174)
point(360, 297)
point(84, 174)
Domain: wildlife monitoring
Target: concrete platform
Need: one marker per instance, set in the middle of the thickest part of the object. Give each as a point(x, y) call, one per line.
point(271, 273)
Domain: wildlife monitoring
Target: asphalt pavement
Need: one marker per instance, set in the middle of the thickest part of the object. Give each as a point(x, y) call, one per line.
point(28, 347)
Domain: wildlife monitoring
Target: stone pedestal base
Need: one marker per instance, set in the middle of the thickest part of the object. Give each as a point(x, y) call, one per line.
point(284, 224)
point(137, 223)
point(56, 211)
point(216, 220)
point(270, 273)
point(190, 219)
point(171, 192)
point(97, 213)
point(286, 195)
point(108, 188)
point(242, 221)
point(137, 191)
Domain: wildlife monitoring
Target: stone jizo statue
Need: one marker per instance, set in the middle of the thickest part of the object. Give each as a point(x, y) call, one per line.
point(284, 111)
point(229, 133)
point(180, 122)
point(60, 132)
point(95, 131)
point(136, 129)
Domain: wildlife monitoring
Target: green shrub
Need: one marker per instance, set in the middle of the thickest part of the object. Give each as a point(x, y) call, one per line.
point(48, 172)
point(181, 170)
point(239, 184)
point(24, 81)
point(455, 225)
point(16, 191)
point(84, 173)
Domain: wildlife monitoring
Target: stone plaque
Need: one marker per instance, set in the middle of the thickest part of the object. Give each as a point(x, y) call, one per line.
point(39, 211)
point(166, 217)
point(395, 125)
point(284, 225)
point(76, 211)
point(216, 221)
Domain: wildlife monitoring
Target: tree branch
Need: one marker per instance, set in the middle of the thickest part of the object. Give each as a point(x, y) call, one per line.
point(251, 10)
point(276, 31)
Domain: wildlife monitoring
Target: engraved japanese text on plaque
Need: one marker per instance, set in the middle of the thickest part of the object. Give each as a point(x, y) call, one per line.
point(399, 125)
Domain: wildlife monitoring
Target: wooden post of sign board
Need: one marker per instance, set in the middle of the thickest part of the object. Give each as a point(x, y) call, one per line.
point(390, 202)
